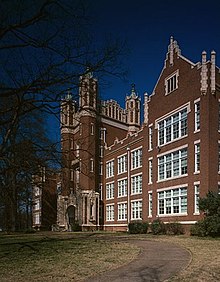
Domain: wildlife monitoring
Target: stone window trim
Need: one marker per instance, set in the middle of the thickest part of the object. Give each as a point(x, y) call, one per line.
point(172, 82)
point(196, 197)
point(197, 115)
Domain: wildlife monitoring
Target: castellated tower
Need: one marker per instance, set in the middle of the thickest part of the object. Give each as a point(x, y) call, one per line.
point(133, 110)
point(78, 201)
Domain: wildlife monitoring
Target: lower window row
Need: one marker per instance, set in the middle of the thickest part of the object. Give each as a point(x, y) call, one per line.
point(169, 202)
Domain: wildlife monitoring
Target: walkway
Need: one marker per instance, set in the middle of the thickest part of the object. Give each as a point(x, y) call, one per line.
point(157, 261)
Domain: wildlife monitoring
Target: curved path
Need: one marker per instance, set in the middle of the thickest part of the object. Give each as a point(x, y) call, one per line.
point(157, 261)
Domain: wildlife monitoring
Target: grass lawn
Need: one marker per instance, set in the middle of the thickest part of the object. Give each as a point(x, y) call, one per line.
point(205, 262)
point(76, 256)
point(59, 257)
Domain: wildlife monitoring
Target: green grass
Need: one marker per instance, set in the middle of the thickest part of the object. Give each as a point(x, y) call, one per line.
point(59, 257)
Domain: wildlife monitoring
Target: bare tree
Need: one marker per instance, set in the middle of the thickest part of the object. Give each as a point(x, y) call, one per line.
point(45, 46)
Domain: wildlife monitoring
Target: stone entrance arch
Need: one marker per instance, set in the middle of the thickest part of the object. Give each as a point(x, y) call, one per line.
point(71, 214)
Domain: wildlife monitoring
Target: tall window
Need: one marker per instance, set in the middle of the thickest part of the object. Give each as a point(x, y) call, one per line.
point(197, 116)
point(136, 210)
point(122, 164)
point(101, 151)
point(136, 158)
point(92, 129)
point(150, 203)
point(172, 201)
point(109, 191)
point(196, 187)
point(150, 177)
point(150, 138)
point(171, 83)
point(197, 157)
point(110, 169)
point(136, 184)
point(109, 212)
point(172, 128)
point(37, 218)
point(100, 168)
point(122, 211)
point(172, 165)
point(91, 165)
point(122, 188)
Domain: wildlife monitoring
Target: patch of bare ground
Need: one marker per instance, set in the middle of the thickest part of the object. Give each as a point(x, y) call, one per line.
point(205, 262)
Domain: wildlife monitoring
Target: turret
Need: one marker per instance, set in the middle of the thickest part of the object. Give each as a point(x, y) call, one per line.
point(133, 110)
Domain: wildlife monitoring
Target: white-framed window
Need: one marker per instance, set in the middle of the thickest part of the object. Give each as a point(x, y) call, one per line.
point(37, 204)
point(77, 175)
point(150, 204)
point(122, 164)
point(172, 165)
point(100, 168)
point(37, 218)
point(136, 184)
point(150, 137)
point(91, 165)
point(197, 157)
point(196, 191)
point(173, 201)
point(171, 82)
point(110, 215)
point(109, 191)
point(150, 167)
point(122, 187)
point(100, 192)
point(136, 209)
point(77, 149)
point(92, 129)
point(101, 151)
point(122, 211)
point(136, 158)
point(197, 115)
point(172, 128)
point(110, 168)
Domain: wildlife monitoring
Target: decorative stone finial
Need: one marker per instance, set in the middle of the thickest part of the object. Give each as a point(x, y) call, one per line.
point(213, 72)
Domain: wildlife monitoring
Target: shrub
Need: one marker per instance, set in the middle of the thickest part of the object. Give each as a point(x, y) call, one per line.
point(174, 228)
point(138, 227)
point(209, 226)
point(158, 227)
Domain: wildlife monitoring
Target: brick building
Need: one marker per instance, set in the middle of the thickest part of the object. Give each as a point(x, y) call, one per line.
point(116, 170)
point(44, 199)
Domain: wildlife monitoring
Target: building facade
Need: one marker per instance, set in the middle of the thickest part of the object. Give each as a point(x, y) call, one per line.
point(117, 170)
point(44, 199)
point(174, 159)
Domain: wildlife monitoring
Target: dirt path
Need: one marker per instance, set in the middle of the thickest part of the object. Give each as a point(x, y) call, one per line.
point(157, 261)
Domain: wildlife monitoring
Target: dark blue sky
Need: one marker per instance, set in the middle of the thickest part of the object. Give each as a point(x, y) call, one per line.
point(147, 27)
